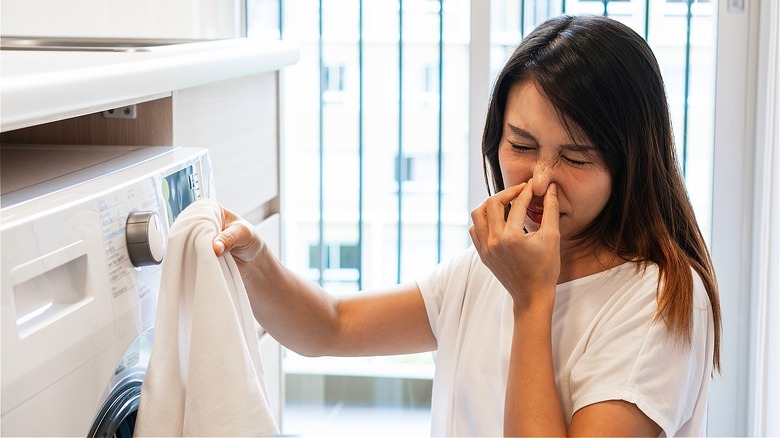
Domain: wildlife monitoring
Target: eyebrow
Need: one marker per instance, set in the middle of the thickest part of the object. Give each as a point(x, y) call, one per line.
point(588, 148)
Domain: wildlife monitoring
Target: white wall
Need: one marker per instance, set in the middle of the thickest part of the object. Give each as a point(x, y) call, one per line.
point(122, 19)
point(744, 400)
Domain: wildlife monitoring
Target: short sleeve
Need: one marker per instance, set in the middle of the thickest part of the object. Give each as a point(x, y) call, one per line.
point(447, 283)
point(634, 357)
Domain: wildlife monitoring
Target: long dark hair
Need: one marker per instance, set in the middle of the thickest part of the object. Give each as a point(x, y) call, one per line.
point(603, 79)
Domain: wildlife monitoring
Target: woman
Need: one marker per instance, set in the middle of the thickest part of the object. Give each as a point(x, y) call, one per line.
point(588, 304)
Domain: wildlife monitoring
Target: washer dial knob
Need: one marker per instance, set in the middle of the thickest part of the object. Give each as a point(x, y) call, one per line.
point(145, 238)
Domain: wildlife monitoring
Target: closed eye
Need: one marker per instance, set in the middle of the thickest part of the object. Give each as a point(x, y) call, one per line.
point(522, 148)
point(574, 162)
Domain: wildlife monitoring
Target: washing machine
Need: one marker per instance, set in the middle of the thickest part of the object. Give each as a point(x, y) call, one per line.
point(82, 231)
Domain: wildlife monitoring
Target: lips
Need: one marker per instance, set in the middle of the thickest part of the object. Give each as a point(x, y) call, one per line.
point(535, 214)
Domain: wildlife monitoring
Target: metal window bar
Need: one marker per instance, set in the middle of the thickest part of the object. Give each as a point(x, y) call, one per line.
point(360, 147)
point(440, 136)
point(399, 170)
point(687, 78)
point(322, 248)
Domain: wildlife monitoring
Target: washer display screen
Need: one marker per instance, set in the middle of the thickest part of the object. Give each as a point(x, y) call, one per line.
point(180, 189)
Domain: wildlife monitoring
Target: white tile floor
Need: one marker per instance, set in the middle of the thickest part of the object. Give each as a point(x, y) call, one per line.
point(355, 421)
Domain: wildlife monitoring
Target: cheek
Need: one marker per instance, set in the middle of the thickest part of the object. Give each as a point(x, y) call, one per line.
point(514, 170)
point(597, 194)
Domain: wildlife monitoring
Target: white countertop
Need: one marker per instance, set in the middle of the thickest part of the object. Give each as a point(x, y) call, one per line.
point(43, 86)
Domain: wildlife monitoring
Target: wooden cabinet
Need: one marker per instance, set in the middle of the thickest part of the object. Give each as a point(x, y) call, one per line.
point(152, 126)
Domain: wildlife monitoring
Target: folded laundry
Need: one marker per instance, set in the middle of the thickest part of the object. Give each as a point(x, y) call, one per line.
point(205, 375)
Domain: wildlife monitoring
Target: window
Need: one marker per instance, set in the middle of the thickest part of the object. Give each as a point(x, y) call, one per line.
point(430, 78)
point(338, 263)
point(403, 169)
point(333, 78)
point(337, 256)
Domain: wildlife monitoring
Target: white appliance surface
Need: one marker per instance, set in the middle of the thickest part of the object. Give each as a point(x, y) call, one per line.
point(77, 316)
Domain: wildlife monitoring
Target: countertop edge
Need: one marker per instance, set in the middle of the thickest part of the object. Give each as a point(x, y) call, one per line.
point(54, 95)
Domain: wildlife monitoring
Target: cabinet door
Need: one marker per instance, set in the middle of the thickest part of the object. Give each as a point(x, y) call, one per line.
point(237, 120)
point(270, 350)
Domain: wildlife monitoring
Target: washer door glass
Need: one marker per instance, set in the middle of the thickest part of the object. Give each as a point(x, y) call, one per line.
point(117, 416)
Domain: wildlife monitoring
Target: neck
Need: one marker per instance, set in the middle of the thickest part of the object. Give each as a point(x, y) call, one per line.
point(579, 261)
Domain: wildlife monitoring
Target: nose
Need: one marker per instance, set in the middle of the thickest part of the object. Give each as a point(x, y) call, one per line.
point(543, 175)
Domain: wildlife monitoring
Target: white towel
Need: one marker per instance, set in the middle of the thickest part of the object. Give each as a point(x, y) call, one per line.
point(205, 375)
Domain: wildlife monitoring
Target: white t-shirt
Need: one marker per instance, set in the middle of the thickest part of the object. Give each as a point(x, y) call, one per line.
point(606, 346)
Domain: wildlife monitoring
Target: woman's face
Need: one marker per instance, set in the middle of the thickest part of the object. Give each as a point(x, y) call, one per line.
point(535, 144)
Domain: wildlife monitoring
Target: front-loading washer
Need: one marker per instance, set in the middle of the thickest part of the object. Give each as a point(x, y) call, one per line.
point(82, 231)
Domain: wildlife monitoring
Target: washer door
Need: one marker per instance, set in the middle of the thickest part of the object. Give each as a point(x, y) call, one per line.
point(117, 415)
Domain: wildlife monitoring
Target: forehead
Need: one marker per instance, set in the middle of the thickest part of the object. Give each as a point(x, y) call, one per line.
point(529, 109)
